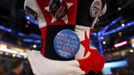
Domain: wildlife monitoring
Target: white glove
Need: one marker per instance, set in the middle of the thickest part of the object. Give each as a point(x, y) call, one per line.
point(44, 66)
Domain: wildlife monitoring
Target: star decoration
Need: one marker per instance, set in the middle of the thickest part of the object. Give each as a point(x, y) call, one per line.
point(65, 18)
point(86, 44)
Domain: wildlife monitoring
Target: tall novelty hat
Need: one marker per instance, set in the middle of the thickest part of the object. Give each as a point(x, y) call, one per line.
point(65, 28)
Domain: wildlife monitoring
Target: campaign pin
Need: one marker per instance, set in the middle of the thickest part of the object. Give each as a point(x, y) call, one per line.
point(66, 43)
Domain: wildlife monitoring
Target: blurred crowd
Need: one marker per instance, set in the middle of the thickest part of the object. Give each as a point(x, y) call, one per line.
point(15, 66)
point(18, 66)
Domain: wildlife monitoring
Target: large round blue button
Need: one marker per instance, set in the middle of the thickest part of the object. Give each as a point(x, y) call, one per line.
point(66, 43)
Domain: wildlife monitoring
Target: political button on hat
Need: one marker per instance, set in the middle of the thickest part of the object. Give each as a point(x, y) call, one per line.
point(66, 43)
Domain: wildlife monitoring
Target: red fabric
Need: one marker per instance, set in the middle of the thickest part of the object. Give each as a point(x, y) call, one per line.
point(98, 62)
point(43, 34)
point(86, 44)
point(94, 62)
point(71, 13)
point(86, 64)
point(102, 63)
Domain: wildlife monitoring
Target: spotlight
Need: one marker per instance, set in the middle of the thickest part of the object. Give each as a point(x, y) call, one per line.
point(122, 25)
point(14, 55)
point(133, 45)
point(34, 46)
point(119, 8)
point(131, 51)
point(104, 42)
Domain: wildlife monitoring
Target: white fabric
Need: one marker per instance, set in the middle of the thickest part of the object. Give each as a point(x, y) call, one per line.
point(44, 66)
point(80, 31)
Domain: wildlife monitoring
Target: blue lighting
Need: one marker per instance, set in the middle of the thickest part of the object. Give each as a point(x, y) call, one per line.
point(31, 19)
point(27, 17)
point(119, 28)
point(27, 40)
point(35, 36)
point(108, 66)
point(94, 34)
point(103, 32)
point(38, 41)
point(107, 71)
point(116, 64)
point(32, 41)
point(21, 34)
point(111, 24)
point(1, 27)
point(8, 30)
point(5, 29)
point(100, 44)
